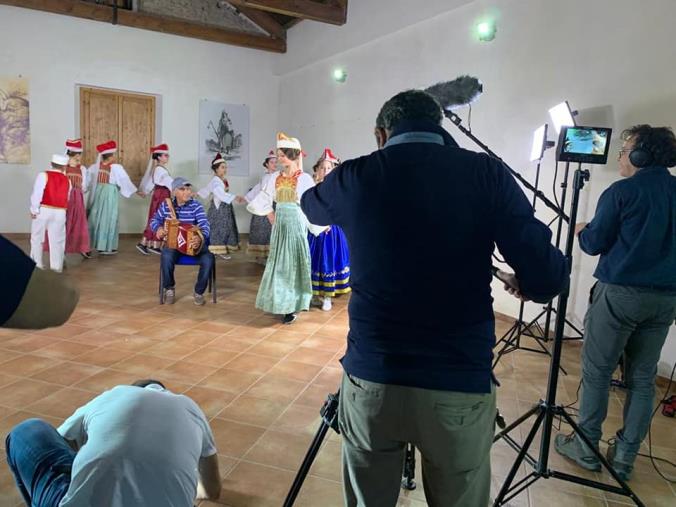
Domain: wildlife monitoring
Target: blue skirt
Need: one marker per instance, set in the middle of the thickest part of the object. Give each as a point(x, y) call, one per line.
point(330, 263)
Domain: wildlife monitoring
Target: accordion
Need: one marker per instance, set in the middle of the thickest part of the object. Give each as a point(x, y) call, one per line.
point(181, 235)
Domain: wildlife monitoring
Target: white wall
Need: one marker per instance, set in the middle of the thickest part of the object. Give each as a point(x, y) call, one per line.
point(611, 59)
point(56, 53)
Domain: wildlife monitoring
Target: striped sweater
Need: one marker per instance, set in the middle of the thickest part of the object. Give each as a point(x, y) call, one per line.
point(192, 212)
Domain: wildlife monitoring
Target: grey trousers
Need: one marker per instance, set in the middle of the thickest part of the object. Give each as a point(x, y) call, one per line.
point(635, 322)
point(453, 431)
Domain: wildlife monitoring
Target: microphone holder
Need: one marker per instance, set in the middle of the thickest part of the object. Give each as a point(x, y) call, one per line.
point(457, 121)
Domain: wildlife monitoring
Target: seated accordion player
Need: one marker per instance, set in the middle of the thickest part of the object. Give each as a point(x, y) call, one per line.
point(180, 235)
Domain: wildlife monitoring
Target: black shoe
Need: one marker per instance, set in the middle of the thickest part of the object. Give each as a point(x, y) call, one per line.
point(86, 255)
point(156, 251)
point(142, 248)
point(289, 318)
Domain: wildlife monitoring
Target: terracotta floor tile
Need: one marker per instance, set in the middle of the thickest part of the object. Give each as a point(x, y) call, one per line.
point(211, 401)
point(66, 331)
point(133, 343)
point(281, 450)
point(66, 350)
point(256, 411)
point(293, 370)
point(300, 419)
point(62, 403)
point(232, 381)
point(272, 349)
point(288, 337)
point(26, 343)
point(227, 342)
point(104, 356)
point(143, 365)
point(186, 372)
point(214, 327)
point(314, 396)
point(8, 355)
point(106, 379)
point(27, 365)
point(252, 485)
point(170, 350)
point(67, 373)
point(23, 392)
point(7, 379)
point(276, 389)
point(318, 491)
point(251, 363)
point(195, 337)
point(212, 356)
point(234, 439)
point(330, 378)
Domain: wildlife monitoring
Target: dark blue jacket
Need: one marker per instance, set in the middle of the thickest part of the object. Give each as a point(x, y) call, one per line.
point(422, 218)
point(16, 269)
point(634, 231)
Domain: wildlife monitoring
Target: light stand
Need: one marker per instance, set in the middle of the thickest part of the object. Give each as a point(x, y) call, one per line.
point(546, 410)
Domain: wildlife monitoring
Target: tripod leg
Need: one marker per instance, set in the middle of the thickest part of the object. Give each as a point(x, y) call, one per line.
point(307, 463)
point(629, 492)
point(519, 459)
point(407, 480)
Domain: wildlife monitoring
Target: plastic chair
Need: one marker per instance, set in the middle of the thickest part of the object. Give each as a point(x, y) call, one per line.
point(187, 260)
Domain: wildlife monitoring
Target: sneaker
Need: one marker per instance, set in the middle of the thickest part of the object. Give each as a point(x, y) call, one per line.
point(156, 251)
point(142, 248)
point(199, 299)
point(623, 470)
point(289, 318)
point(326, 304)
point(571, 447)
point(169, 296)
point(86, 255)
point(224, 257)
point(111, 252)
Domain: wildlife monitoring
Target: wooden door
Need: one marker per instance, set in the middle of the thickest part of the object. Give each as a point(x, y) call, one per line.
point(127, 118)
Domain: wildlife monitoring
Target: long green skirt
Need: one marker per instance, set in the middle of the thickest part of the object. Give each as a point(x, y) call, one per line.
point(103, 218)
point(286, 286)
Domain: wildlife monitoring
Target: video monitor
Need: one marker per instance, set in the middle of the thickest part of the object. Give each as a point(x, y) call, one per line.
point(588, 145)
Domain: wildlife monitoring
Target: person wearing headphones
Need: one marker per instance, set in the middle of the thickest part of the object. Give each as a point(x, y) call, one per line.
point(633, 303)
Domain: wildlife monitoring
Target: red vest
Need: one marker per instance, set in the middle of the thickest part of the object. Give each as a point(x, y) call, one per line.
point(56, 190)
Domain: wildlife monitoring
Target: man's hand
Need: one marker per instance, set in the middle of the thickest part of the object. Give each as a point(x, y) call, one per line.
point(511, 284)
point(161, 233)
point(240, 200)
point(195, 242)
point(271, 218)
point(579, 226)
point(141, 194)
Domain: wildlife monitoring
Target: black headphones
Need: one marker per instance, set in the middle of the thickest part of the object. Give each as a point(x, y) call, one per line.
point(641, 156)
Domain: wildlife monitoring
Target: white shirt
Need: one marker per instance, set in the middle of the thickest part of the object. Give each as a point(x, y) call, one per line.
point(118, 176)
point(216, 187)
point(160, 177)
point(255, 190)
point(138, 447)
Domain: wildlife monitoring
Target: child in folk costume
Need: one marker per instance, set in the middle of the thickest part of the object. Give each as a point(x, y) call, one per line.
point(260, 227)
point(158, 181)
point(48, 205)
point(77, 230)
point(107, 180)
point(328, 250)
point(286, 287)
point(224, 234)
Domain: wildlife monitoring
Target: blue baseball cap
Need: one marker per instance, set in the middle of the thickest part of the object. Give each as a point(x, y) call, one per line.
point(180, 182)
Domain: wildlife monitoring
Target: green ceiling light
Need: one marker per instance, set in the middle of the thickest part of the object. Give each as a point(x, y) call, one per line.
point(339, 75)
point(486, 30)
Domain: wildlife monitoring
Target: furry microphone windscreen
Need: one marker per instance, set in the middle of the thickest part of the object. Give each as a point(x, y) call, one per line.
point(460, 92)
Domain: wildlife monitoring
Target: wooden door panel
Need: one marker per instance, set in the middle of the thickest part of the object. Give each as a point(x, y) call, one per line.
point(137, 116)
point(100, 120)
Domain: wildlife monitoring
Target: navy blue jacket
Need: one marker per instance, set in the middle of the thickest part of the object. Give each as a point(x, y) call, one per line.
point(16, 269)
point(634, 231)
point(422, 217)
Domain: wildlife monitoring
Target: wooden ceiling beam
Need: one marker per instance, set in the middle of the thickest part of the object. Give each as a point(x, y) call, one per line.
point(304, 9)
point(263, 20)
point(145, 21)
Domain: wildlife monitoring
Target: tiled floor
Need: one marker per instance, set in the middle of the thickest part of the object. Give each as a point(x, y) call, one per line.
point(260, 383)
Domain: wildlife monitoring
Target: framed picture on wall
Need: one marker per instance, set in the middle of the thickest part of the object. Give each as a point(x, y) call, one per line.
point(15, 135)
point(224, 129)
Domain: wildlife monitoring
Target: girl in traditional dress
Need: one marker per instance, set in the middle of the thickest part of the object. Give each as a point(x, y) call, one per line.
point(158, 181)
point(77, 231)
point(260, 228)
point(286, 287)
point(224, 235)
point(328, 250)
point(107, 180)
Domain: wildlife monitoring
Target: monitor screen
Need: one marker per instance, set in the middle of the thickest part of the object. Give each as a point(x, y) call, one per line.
point(584, 144)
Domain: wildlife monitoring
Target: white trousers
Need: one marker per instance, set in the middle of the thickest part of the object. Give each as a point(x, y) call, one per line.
point(52, 221)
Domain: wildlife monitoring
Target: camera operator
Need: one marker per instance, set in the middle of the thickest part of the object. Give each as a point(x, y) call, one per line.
point(418, 361)
point(634, 301)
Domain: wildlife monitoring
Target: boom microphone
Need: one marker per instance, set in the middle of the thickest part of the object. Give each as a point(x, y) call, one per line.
point(460, 92)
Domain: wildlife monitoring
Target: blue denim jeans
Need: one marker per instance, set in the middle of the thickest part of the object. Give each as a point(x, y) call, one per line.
point(205, 259)
point(635, 322)
point(41, 462)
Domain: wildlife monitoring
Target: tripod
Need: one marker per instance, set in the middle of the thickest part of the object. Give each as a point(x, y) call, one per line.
point(329, 415)
point(546, 410)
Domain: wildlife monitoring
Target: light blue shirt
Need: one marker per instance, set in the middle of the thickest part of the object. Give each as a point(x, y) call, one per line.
point(138, 447)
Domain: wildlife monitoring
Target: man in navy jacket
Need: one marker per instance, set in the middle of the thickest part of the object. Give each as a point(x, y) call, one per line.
point(418, 361)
